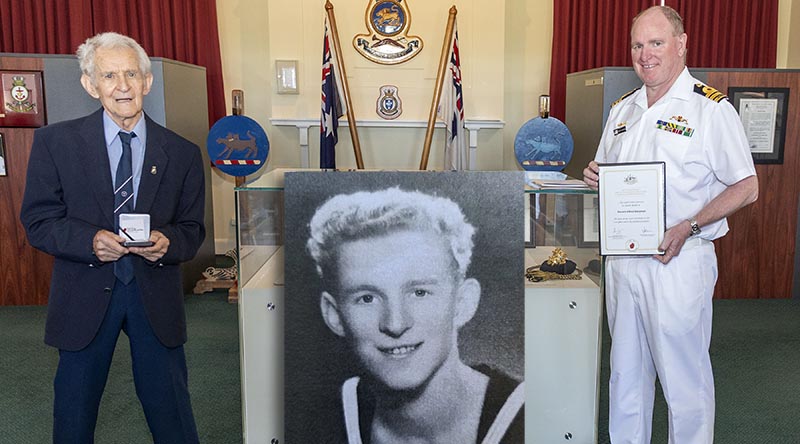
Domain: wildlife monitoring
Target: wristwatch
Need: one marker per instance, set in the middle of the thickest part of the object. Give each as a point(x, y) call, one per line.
point(695, 228)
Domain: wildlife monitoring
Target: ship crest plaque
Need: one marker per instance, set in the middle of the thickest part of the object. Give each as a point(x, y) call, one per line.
point(387, 42)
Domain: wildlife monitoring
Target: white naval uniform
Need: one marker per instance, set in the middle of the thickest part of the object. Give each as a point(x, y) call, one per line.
point(660, 315)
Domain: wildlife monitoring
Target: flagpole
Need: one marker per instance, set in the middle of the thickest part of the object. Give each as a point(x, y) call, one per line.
point(351, 120)
point(437, 91)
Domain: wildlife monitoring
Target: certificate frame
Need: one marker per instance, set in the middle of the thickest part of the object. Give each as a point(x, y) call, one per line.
point(23, 99)
point(769, 149)
point(633, 208)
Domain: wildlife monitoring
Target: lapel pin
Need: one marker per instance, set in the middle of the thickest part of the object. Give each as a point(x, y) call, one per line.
point(153, 170)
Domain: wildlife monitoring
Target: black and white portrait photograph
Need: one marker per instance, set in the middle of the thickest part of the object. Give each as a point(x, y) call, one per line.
point(404, 307)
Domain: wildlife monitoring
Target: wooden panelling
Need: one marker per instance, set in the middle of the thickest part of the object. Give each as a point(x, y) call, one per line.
point(24, 271)
point(756, 258)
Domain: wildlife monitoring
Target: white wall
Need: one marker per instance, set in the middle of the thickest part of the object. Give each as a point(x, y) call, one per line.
point(788, 35)
point(255, 33)
point(296, 28)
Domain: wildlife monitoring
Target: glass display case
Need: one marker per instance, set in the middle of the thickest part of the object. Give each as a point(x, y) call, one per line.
point(563, 312)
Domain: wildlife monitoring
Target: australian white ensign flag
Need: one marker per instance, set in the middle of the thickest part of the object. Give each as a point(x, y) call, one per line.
point(451, 111)
point(332, 106)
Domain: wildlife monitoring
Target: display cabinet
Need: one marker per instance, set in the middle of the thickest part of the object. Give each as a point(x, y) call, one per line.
point(562, 312)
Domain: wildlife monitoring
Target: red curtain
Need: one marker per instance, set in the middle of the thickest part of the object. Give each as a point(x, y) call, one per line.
point(44, 27)
point(183, 30)
point(590, 34)
point(730, 34)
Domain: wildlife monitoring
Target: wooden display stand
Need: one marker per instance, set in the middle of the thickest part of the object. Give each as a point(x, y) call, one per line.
point(206, 285)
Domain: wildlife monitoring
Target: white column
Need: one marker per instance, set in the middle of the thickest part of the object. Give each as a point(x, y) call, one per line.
point(473, 147)
point(302, 134)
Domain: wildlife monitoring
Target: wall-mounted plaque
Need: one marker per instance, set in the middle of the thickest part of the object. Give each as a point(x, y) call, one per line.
point(389, 106)
point(23, 99)
point(388, 41)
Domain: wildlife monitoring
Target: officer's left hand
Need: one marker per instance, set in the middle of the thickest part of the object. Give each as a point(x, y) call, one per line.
point(156, 251)
point(674, 238)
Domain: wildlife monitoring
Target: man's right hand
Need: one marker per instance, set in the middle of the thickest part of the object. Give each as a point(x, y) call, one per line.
point(590, 175)
point(107, 246)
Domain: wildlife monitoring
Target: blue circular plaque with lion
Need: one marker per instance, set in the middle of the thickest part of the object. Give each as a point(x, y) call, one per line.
point(543, 144)
point(388, 17)
point(237, 145)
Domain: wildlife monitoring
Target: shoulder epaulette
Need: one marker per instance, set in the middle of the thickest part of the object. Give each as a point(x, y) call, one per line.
point(624, 96)
point(709, 92)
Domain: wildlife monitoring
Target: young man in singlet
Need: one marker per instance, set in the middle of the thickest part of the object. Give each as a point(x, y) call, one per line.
point(394, 269)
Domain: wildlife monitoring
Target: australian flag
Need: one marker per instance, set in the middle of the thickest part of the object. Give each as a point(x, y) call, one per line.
point(332, 107)
point(451, 110)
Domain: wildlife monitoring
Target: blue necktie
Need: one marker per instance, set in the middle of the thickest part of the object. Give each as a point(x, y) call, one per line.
point(123, 202)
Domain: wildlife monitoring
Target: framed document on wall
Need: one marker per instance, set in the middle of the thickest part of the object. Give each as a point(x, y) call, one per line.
point(763, 112)
point(23, 99)
point(632, 203)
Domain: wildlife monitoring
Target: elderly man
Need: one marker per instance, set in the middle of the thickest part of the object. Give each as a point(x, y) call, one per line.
point(659, 309)
point(82, 175)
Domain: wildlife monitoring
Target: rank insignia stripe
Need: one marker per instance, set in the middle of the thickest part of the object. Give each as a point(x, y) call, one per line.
point(623, 97)
point(709, 92)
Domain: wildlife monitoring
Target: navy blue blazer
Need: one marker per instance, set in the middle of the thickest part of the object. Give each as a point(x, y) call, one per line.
point(69, 196)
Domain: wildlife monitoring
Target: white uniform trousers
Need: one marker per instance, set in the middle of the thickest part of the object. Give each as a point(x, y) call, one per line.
point(659, 317)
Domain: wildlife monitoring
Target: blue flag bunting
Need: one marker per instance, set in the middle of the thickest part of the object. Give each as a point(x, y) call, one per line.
point(331, 105)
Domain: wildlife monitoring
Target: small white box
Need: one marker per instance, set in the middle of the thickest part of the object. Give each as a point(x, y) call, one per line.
point(135, 228)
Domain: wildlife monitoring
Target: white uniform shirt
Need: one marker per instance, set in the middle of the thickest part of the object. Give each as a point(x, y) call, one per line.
point(696, 131)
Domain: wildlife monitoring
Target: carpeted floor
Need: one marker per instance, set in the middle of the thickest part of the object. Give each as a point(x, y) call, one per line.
point(27, 367)
point(755, 350)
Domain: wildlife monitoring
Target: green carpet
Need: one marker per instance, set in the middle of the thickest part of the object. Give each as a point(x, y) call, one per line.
point(755, 352)
point(28, 366)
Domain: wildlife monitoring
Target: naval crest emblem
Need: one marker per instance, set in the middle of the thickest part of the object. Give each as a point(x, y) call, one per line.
point(19, 100)
point(389, 106)
point(388, 42)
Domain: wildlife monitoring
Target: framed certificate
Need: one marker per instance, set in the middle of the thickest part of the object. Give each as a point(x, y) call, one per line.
point(763, 112)
point(632, 204)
